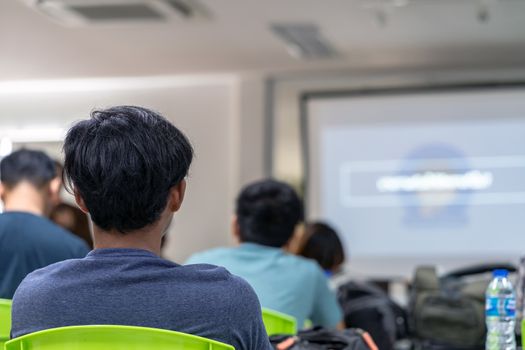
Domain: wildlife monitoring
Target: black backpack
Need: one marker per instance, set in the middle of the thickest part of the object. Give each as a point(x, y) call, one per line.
point(368, 307)
point(319, 338)
point(448, 312)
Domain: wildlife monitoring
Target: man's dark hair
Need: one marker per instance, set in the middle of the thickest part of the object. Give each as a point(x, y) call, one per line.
point(123, 161)
point(323, 245)
point(267, 213)
point(32, 166)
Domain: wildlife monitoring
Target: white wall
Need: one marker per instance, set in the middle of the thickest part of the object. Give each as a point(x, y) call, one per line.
point(209, 109)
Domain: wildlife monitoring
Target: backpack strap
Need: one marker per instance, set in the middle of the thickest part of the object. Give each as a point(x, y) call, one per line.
point(286, 344)
point(368, 340)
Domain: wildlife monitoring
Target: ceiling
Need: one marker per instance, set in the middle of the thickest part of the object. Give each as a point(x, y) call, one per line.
point(425, 33)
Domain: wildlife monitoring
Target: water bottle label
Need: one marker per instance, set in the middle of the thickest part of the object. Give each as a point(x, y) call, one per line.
point(500, 307)
point(510, 307)
point(491, 307)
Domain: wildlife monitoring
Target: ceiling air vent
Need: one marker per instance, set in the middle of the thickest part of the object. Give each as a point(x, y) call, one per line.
point(83, 12)
point(304, 40)
point(111, 12)
point(189, 8)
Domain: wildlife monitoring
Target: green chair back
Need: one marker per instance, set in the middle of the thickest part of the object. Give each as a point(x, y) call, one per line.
point(5, 321)
point(109, 337)
point(522, 330)
point(278, 323)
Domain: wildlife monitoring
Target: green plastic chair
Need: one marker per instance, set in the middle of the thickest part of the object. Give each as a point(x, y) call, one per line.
point(278, 323)
point(5, 321)
point(109, 337)
point(522, 330)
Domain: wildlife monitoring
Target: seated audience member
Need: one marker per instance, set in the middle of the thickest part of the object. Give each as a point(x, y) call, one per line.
point(267, 214)
point(69, 216)
point(28, 240)
point(126, 167)
point(322, 244)
point(72, 219)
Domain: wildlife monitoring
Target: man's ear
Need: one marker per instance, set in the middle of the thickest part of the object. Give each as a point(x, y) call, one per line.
point(176, 196)
point(80, 202)
point(235, 229)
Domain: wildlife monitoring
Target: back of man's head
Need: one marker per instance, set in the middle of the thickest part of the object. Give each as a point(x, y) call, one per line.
point(268, 212)
point(123, 162)
point(27, 166)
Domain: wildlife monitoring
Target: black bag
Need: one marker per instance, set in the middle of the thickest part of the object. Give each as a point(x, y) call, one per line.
point(368, 307)
point(323, 339)
point(449, 312)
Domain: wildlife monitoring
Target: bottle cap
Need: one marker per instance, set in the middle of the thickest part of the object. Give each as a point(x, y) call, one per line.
point(500, 273)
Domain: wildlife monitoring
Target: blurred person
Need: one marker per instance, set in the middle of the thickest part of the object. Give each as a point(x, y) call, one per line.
point(28, 240)
point(267, 213)
point(126, 167)
point(69, 216)
point(322, 244)
point(72, 219)
point(56, 197)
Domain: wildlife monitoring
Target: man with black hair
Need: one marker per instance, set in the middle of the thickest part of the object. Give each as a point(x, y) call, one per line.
point(126, 167)
point(267, 213)
point(29, 241)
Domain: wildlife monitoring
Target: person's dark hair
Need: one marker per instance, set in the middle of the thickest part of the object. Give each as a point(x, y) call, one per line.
point(323, 245)
point(267, 213)
point(123, 161)
point(32, 166)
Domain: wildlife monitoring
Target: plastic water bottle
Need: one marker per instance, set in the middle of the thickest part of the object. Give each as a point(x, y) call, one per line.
point(500, 313)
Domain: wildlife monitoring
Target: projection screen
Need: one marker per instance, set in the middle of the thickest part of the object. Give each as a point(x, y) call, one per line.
point(419, 176)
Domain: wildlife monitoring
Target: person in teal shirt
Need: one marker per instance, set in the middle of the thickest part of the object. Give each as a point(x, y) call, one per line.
point(267, 213)
point(28, 239)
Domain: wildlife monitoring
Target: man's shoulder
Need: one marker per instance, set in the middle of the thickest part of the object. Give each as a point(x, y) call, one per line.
point(47, 273)
point(202, 272)
point(236, 292)
point(44, 279)
point(40, 233)
point(225, 283)
point(38, 227)
point(22, 222)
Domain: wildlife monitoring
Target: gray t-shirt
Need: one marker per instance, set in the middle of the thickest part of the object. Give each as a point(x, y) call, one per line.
point(136, 287)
